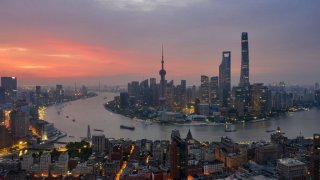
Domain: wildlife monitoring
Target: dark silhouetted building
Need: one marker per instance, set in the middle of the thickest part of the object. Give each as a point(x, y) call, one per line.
point(244, 76)
point(19, 124)
point(124, 100)
point(38, 90)
point(2, 95)
point(163, 84)
point(153, 82)
point(225, 79)
point(214, 89)
point(5, 137)
point(59, 93)
point(10, 86)
point(316, 97)
point(315, 168)
point(267, 153)
point(178, 158)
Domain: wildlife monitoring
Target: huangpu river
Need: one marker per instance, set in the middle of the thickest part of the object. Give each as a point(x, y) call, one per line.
point(74, 118)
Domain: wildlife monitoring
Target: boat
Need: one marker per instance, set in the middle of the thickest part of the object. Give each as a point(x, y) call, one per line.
point(67, 116)
point(98, 130)
point(230, 129)
point(127, 127)
point(73, 120)
point(269, 131)
point(148, 122)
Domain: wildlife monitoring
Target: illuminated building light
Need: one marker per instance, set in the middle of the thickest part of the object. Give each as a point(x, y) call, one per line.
point(42, 112)
point(44, 136)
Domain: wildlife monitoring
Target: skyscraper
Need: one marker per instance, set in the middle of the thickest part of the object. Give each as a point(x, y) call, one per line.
point(2, 95)
point(162, 73)
point(10, 86)
point(315, 169)
point(260, 99)
point(225, 79)
point(244, 76)
point(214, 86)
point(178, 156)
point(59, 93)
point(19, 124)
point(204, 89)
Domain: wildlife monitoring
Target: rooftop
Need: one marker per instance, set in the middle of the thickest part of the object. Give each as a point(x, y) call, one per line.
point(290, 162)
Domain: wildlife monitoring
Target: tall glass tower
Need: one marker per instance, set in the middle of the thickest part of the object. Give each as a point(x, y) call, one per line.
point(244, 76)
point(225, 79)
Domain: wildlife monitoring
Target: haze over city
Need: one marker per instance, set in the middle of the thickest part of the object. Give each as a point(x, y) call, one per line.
point(117, 41)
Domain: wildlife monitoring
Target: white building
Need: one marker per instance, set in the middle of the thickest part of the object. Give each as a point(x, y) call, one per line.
point(213, 167)
point(289, 168)
point(27, 162)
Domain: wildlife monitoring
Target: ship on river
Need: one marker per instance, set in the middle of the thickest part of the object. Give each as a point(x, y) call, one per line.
point(127, 127)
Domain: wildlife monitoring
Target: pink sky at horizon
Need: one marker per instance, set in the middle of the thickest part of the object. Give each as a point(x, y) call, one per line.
point(116, 42)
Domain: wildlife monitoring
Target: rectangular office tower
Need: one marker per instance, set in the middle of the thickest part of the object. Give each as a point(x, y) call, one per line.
point(225, 79)
point(244, 76)
point(9, 84)
point(204, 89)
point(315, 169)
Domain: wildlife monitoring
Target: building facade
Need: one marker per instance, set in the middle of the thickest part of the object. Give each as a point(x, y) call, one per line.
point(225, 79)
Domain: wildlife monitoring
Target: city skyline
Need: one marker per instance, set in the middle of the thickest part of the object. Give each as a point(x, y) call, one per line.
point(119, 41)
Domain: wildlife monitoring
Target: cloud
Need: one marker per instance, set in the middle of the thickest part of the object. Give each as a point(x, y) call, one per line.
point(60, 55)
point(8, 49)
point(33, 67)
point(146, 5)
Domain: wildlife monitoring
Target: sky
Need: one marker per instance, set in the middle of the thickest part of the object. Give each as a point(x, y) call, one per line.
point(117, 41)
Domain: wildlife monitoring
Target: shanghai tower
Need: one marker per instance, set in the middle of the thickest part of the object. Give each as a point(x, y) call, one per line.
point(244, 76)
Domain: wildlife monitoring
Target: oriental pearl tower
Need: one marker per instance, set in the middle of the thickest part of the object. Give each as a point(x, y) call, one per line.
point(162, 74)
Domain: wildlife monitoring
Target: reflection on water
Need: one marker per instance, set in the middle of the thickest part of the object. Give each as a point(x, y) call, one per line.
point(91, 112)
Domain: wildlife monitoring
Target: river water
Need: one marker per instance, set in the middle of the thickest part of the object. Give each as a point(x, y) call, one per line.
point(92, 112)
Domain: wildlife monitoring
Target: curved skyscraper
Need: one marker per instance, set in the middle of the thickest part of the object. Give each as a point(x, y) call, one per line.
point(244, 76)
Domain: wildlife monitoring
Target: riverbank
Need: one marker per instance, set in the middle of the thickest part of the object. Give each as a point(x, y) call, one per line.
point(92, 112)
point(209, 120)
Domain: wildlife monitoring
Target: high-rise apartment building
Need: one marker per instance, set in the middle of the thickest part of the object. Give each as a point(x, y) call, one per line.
point(260, 99)
point(204, 89)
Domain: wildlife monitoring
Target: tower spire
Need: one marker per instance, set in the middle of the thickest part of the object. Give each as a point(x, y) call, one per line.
point(162, 62)
point(162, 74)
